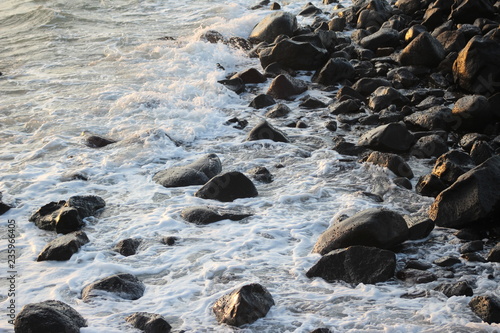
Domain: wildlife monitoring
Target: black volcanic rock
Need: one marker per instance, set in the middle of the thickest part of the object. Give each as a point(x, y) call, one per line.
point(265, 131)
point(123, 285)
point(62, 248)
point(228, 187)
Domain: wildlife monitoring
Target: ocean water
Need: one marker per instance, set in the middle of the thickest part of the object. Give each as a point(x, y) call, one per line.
point(73, 68)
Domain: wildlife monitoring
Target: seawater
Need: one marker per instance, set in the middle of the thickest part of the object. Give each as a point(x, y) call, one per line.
point(72, 68)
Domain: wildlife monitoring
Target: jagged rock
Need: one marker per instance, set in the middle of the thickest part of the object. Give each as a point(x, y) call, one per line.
point(212, 37)
point(345, 107)
point(487, 308)
point(207, 215)
point(127, 247)
point(321, 330)
point(280, 110)
point(402, 77)
point(415, 276)
point(355, 264)
point(273, 25)
point(429, 146)
point(312, 103)
point(250, 75)
point(262, 101)
point(295, 55)
point(123, 285)
point(62, 248)
point(383, 97)
point(467, 11)
point(424, 50)
point(451, 165)
point(366, 86)
point(48, 316)
point(381, 38)
point(261, 174)
point(243, 305)
point(393, 137)
point(430, 186)
point(494, 254)
point(452, 41)
point(393, 162)
point(265, 131)
point(228, 187)
point(472, 113)
point(372, 227)
point(67, 216)
point(481, 151)
point(334, 71)
point(95, 141)
point(235, 85)
point(196, 173)
point(149, 322)
point(461, 288)
point(435, 118)
point(309, 10)
point(284, 86)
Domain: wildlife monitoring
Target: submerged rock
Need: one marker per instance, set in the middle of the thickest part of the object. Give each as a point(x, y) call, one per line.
point(123, 285)
point(228, 187)
point(207, 215)
point(62, 248)
point(149, 322)
point(95, 141)
point(127, 247)
point(461, 288)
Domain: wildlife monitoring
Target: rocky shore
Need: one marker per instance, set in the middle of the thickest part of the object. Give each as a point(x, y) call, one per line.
point(397, 84)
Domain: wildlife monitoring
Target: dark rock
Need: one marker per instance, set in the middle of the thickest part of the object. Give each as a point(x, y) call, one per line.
point(196, 173)
point(321, 330)
point(372, 227)
point(366, 86)
point(3, 207)
point(409, 7)
point(274, 69)
point(261, 101)
point(473, 257)
point(273, 25)
point(468, 140)
point(417, 264)
point(207, 215)
point(250, 75)
point(355, 264)
point(48, 316)
point(312, 103)
point(383, 97)
point(331, 125)
point(235, 85)
point(127, 247)
point(476, 68)
point(451, 165)
point(348, 93)
point(481, 151)
point(393, 137)
point(467, 11)
point(437, 117)
point(309, 10)
point(236, 123)
point(424, 50)
point(461, 288)
point(345, 107)
point(275, 6)
point(347, 148)
point(494, 254)
point(295, 55)
point(437, 13)
point(487, 308)
point(413, 32)
point(393, 162)
point(420, 229)
point(452, 41)
point(473, 246)
point(429, 146)
point(284, 86)
point(416, 294)
point(403, 182)
point(62, 248)
point(243, 305)
point(280, 110)
point(415, 276)
point(333, 72)
point(402, 77)
point(123, 285)
point(472, 113)
point(261, 174)
point(239, 43)
point(169, 240)
point(447, 261)
point(265, 131)
point(228, 187)
point(429, 185)
point(380, 39)
point(337, 24)
point(212, 37)
point(371, 19)
point(470, 234)
point(149, 322)
point(95, 141)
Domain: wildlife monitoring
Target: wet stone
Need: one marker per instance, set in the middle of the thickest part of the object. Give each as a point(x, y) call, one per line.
point(447, 261)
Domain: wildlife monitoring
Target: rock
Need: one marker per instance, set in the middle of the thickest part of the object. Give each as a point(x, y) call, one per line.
point(62, 248)
point(476, 68)
point(393, 162)
point(436, 13)
point(67, 216)
point(372, 227)
point(250, 76)
point(366, 86)
point(265, 131)
point(3, 207)
point(413, 32)
point(212, 37)
point(472, 113)
point(337, 24)
point(467, 11)
point(235, 85)
point(261, 174)
point(403, 182)
point(415, 276)
point(239, 43)
point(435, 118)
point(447, 261)
point(275, 6)
point(409, 7)
point(262, 101)
point(236, 123)
point(284, 86)
point(393, 137)
point(473, 257)
point(487, 308)
point(471, 234)
point(383, 97)
point(355, 264)
point(334, 71)
point(123, 285)
point(452, 41)
point(312, 103)
point(420, 229)
point(461, 288)
point(321, 330)
point(494, 254)
point(127, 247)
point(380, 39)
point(95, 141)
point(169, 240)
point(273, 25)
point(473, 246)
point(207, 215)
point(480, 152)
point(345, 107)
point(295, 55)
point(402, 77)
point(331, 125)
point(243, 305)
point(430, 186)
point(451, 165)
point(48, 316)
point(429, 146)
point(228, 187)
point(196, 173)
point(424, 50)
point(149, 322)
point(309, 10)
point(278, 111)
point(417, 264)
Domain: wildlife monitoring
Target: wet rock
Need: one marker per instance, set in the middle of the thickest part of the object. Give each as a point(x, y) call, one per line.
point(467, 11)
point(416, 294)
point(67, 216)
point(494, 254)
point(265, 131)
point(424, 50)
point(380, 39)
point(312, 103)
point(207, 215)
point(355, 264)
point(345, 107)
point(366, 86)
point(413, 32)
point(123, 285)
point(481, 151)
point(487, 308)
point(415, 276)
point(169, 240)
point(383, 97)
point(461, 288)
point(403, 182)
point(334, 71)
point(48, 316)
point(437, 117)
point(278, 111)
point(228, 187)
point(236, 123)
point(309, 10)
point(295, 55)
point(262, 101)
point(149, 322)
point(275, 6)
point(127, 247)
point(273, 25)
point(472, 113)
point(429, 146)
point(196, 173)
point(261, 174)
point(243, 305)
point(447, 261)
point(372, 227)
point(470, 234)
point(418, 264)
point(95, 141)
point(409, 7)
point(3, 207)
point(284, 86)
point(393, 162)
point(402, 77)
point(451, 165)
point(321, 330)
point(420, 229)
point(235, 85)
point(430, 186)
point(437, 13)
point(393, 137)
point(337, 24)
point(239, 43)
point(212, 37)
point(452, 41)
point(473, 257)
point(473, 246)
point(331, 125)
point(250, 76)
point(62, 248)
point(468, 140)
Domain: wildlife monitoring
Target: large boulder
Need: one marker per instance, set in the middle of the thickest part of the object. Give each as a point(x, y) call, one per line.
point(295, 55)
point(434, 118)
point(206, 215)
point(451, 165)
point(467, 11)
point(273, 25)
point(284, 86)
point(334, 71)
point(380, 228)
point(487, 308)
point(476, 68)
point(424, 50)
point(228, 187)
point(429, 146)
point(472, 113)
point(409, 7)
point(149, 322)
point(62, 248)
point(473, 198)
point(384, 97)
point(196, 173)
point(243, 305)
point(123, 285)
point(381, 38)
point(67, 216)
point(48, 316)
point(393, 137)
point(355, 264)
point(393, 162)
